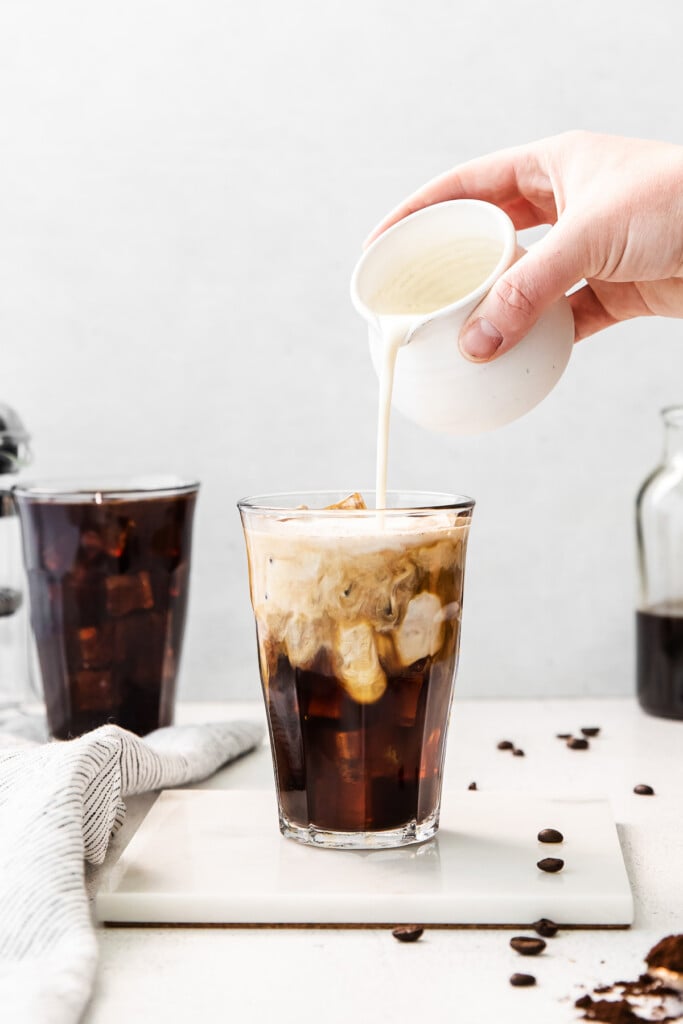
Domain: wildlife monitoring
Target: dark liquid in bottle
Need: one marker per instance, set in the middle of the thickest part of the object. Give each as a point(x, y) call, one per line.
point(108, 587)
point(353, 767)
point(659, 633)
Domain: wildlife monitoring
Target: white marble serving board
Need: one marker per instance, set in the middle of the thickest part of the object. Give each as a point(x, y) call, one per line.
point(217, 857)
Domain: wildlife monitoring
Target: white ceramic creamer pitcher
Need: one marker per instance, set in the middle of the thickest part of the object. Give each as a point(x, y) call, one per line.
point(424, 276)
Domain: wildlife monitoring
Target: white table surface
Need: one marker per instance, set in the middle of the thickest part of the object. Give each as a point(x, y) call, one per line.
point(338, 975)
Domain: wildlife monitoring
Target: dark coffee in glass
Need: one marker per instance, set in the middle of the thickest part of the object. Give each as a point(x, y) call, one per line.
point(108, 574)
point(358, 623)
point(659, 647)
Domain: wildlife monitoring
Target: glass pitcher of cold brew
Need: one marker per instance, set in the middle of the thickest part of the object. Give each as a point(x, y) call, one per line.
point(659, 618)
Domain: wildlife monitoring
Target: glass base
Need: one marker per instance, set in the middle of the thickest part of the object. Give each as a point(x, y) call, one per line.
point(406, 835)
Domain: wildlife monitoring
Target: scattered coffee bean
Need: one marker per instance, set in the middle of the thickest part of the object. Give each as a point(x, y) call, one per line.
point(564, 735)
point(407, 933)
point(551, 864)
point(506, 745)
point(527, 945)
point(583, 1002)
point(472, 785)
point(550, 835)
point(643, 790)
point(522, 980)
point(591, 730)
point(545, 927)
point(517, 752)
point(576, 743)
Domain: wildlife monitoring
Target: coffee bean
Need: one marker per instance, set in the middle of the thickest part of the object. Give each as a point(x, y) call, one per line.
point(576, 743)
point(407, 933)
point(564, 735)
point(643, 790)
point(545, 927)
point(550, 835)
point(517, 752)
point(522, 980)
point(527, 945)
point(551, 864)
point(583, 1002)
point(505, 745)
point(472, 785)
point(591, 730)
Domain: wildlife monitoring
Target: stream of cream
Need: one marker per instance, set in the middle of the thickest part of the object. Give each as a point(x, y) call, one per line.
point(394, 332)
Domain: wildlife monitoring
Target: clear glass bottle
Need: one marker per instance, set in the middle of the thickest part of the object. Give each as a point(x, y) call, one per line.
point(659, 617)
point(14, 453)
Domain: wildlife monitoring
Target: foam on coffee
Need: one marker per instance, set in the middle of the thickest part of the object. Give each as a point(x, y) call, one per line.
point(374, 600)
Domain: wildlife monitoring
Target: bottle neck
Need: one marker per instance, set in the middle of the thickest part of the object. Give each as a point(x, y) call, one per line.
point(673, 435)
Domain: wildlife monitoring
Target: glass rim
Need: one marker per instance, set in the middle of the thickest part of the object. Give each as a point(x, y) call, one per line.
point(92, 489)
point(276, 503)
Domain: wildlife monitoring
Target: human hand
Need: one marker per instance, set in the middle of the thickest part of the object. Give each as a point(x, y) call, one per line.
point(616, 206)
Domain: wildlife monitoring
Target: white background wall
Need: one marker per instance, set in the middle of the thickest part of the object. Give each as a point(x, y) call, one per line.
point(184, 187)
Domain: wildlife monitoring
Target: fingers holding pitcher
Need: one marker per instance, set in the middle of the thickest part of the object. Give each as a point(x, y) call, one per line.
point(530, 286)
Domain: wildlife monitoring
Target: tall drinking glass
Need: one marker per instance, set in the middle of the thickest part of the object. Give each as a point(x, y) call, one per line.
point(108, 568)
point(358, 625)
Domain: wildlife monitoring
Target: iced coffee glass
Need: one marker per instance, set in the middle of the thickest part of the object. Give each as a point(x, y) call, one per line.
point(108, 567)
point(358, 626)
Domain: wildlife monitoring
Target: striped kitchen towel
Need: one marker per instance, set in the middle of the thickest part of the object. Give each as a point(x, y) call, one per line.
point(60, 803)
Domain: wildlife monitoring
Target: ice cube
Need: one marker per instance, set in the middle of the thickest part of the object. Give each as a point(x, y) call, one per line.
point(326, 701)
point(407, 696)
point(349, 759)
point(115, 535)
point(290, 581)
point(139, 641)
point(301, 641)
point(59, 552)
point(354, 500)
point(84, 596)
point(92, 545)
point(96, 646)
point(95, 690)
point(126, 594)
point(179, 579)
point(350, 744)
point(357, 664)
point(421, 632)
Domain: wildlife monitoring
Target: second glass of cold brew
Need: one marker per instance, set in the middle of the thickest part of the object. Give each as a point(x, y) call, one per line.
point(108, 566)
point(358, 618)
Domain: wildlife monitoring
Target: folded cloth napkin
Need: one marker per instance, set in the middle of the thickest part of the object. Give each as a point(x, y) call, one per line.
point(60, 803)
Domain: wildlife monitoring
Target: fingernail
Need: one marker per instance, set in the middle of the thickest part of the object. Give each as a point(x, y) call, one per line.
point(481, 339)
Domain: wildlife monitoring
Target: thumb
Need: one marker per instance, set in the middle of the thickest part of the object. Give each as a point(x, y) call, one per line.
point(517, 299)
